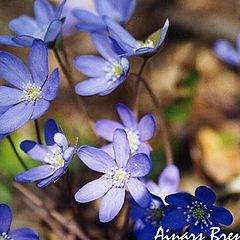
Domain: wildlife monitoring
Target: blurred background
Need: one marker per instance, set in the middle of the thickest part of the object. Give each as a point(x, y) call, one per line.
point(200, 96)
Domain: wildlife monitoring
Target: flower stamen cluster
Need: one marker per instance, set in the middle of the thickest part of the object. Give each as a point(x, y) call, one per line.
point(31, 93)
point(134, 139)
point(147, 44)
point(113, 70)
point(56, 158)
point(153, 214)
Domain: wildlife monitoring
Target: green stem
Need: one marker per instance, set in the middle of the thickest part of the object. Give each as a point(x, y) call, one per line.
point(38, 131)
point(16, 153)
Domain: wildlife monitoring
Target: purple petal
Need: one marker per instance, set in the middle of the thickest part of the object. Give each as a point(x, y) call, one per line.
point(121, 147)
point(88, 21)
point(106, 128)
point(60, 9)
point(139, 165)
point(44, 12)
point(139, 192)
point(38, 62)
point(24, 40)
point(125, 40)
point(169, 221)
point(9, 96)
point(92, 66)
point(36, 174)
point(8, 40)
point(61, 140)
point(34, 150)
point(68, 154)
point(13, 70)
point(53, 31)
point(23, 25)
point(93, 190)
point(23, 234)
point(96, 159)
point(144, 148)
point(146, 127)
point(180, 199)
point(205, 195)
point(111, 204)
point(40, 107)
point(5, 218)
point(169, 180)
point(104, 45)
point(22, 112)
point(52, 178)
point(51, 86)
point(221, 215)
point(163, 34)
point(108, 149)
point(127, 116)
point(127, 7)
point(49, 131)
point(91, 86)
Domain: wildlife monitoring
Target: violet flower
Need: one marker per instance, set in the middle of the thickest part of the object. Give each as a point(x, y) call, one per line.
point(46, 26)
point(29, 94)
point(121, 173)
point(56, 157)
point(137, 132)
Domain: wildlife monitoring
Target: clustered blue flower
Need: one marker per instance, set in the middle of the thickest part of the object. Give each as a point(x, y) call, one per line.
point(125, 161)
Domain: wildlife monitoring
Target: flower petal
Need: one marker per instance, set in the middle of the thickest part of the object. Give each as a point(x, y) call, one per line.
point(111, 204)
point(205, 195)
point(139, 192)
point(9, 96)
point(125, 40)
point(13, 70)
point(60, 9)
point(104, 46)
point(23, 234)
point(22, 113)
point(36, 174)
point(90, 65)
point(68, 154)
point(96, 159)
point(40, 107)
point(221, 215)
point(61, 140)
point(34, 150)
point(180, 199)
point(91, 86)
point(147, 127)
point(49, 131)
point(51, 86)
point(92, 190)
point(8, 40)
point(88, 21)
point(53, 31)
point(144, 148)
point(52, 178)
point(38, 62)
point(44, 12)
point(139, 165)
point(5, 218)
point(175, 219)
point(127, 116)
point(106, 128)
point(23, 25)
point(127, 7)
point(24, 40)
point(108, 149)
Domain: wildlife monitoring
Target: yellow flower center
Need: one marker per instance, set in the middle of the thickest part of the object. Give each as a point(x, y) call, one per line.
point(147, 44)
point(31, 93)
point(117, 71)
point(133, 139)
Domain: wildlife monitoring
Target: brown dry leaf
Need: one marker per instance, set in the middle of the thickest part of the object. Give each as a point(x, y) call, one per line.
point(220, 154)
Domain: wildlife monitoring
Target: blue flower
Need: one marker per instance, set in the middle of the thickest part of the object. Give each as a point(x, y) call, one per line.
point(119, 173)
point(17, 234)
point(226, 52)
point(3, 110)
point(56, 156)
point(46, 26)
point(130, 46)
point(119, 11)
point(197, 212)
point(105, 73)
point(168, 182)
point(28, 95)
point(147, 220)
point(138, 133)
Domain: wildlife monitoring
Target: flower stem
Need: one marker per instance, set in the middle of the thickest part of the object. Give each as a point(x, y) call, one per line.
point(138, 83)
point(16, 153)
point(162, 122)
point(38, 131)
point(80, 104)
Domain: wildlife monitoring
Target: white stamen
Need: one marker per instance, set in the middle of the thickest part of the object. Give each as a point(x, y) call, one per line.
point(31, 92)
point(134, 139)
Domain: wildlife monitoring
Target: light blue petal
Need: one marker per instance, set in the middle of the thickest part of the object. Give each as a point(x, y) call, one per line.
point(40, 108)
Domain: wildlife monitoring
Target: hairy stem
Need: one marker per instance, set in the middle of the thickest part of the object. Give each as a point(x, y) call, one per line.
point(16, 153)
